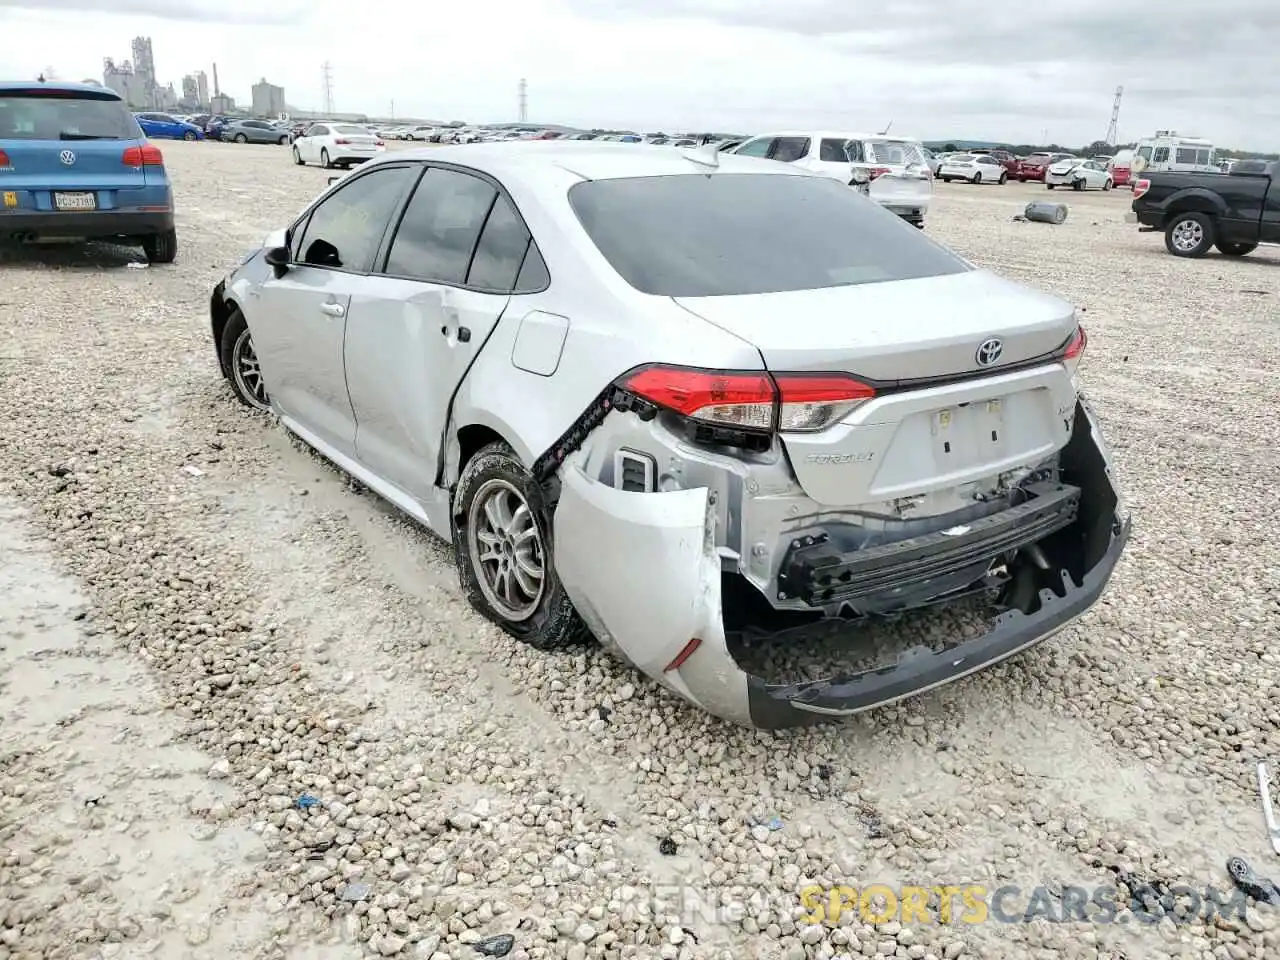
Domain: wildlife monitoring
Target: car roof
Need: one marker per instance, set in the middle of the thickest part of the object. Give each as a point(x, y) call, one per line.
point(586, 159)
point(100, 93)
point(835, 135)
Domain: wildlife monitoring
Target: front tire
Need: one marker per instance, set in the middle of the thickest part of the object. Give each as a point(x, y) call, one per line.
point(1050, 186)
point(1235, 249)
point(297, 158)
point(502, 542)
point(188, 135)
point(977, 178)
point(1107, 185)
point(161, 247)
point(240, 361)
point(283, 141)
point(1189, 235)
point(1004, 178)
point(241, 138)
point(1077, 185)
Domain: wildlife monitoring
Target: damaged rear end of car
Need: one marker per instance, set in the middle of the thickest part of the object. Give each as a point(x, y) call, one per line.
point(913, 440)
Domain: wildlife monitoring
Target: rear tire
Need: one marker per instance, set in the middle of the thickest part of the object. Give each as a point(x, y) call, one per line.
point(1189, 235)
point(161, 247)
point(502, 529)
point(977, 178)
point(283, 141)
point(324, 160)
point(1077, 185)
point(1050, 185)
point(1235, 249)
point(1004, 178)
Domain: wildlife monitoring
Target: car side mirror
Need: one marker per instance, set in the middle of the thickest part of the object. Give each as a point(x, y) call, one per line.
point(277, 258)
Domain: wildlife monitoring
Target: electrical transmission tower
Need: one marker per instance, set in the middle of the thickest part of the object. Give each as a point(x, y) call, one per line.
point(523, 101)
point(1113, 131)
point(326, 76)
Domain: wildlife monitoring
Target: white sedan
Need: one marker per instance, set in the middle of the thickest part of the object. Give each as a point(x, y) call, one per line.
point(337, 145)
point(974, 167)
point(1078, 174)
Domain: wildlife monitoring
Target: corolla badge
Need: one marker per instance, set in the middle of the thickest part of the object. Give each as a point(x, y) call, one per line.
point(68, 157)
point(989, 351)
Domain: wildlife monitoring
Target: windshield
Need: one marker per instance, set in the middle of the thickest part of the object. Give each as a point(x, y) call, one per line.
point(1144, 153)
point(896, 152)
point(60, 115)
point(731, 234)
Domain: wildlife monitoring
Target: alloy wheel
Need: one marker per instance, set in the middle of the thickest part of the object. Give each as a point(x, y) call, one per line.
point(248, 372)
point(506, 550)
point(1187, 235)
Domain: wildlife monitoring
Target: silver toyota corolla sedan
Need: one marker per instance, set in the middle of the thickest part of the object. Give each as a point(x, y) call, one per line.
point(628, 382)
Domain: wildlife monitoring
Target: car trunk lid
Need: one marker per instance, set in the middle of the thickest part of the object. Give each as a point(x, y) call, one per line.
point(945, 413)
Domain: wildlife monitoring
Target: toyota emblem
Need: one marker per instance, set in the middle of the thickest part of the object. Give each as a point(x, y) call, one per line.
point(67, 157)
point(989, 352)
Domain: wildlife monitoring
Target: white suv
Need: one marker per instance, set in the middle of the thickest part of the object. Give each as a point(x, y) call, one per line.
point(899, 174)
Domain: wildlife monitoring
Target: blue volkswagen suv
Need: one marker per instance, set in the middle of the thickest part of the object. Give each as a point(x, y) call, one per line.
point(74, 164)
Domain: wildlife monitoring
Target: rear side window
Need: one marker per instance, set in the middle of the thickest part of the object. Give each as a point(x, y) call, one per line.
point(756, 148)
point(440, 227)
point(791, 149)
point(727, 234)
point(832, 151)
point(501, 250)
point(346, 229)
point(1186, 155)
point(55, 115)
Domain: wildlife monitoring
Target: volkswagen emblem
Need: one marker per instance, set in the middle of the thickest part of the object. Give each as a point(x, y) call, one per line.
point(989, 352)
point(67, 157)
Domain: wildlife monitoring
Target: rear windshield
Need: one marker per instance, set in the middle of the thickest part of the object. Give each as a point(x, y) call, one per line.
point(893, 151)
point(1038, 158)
point(727, 234)
point(48, 115)
point(347, 128)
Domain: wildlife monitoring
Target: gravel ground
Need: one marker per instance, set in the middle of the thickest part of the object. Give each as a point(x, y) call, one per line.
point(186, 653)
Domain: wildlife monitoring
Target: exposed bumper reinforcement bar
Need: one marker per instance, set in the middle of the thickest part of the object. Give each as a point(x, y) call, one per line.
point(815, 571)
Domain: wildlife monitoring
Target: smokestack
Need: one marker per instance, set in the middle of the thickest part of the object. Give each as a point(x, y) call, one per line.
point(216, 91)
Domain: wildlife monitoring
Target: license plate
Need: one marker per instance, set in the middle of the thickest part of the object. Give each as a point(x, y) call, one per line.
point(75, 201)
point(10, 198)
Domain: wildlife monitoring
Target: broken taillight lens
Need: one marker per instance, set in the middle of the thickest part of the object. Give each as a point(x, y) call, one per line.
point(787, 402)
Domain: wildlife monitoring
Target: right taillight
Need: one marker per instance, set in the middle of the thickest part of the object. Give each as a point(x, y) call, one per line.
point(4, 159)
point(147, 155)
point(749, 401)
point(1141, 187)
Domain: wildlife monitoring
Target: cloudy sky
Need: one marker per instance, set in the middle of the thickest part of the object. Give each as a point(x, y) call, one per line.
point(935, 68)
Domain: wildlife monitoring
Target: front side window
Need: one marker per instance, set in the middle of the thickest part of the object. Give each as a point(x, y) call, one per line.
point(440, 227)
point(733, 234)
point(346, 229)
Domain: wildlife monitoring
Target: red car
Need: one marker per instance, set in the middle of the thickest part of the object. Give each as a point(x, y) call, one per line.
point(1035, 165)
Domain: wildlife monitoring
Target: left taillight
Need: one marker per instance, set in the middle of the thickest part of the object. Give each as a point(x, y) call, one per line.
point(1141, 187)
point(1075, 346)
point(751, 402)
point(4, 159)
point(147, 155)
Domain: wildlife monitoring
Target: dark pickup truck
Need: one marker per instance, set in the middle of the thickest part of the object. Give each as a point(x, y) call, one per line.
point(1233, 211)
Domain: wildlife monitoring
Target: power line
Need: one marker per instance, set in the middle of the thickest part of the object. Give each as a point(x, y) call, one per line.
point(326, 76)
point(523, 101)
point(1113, 131)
